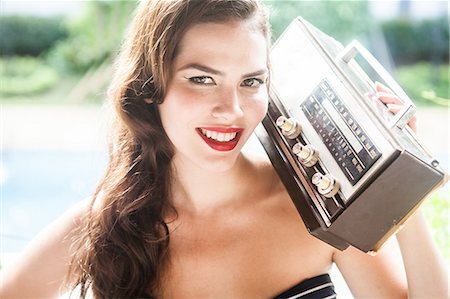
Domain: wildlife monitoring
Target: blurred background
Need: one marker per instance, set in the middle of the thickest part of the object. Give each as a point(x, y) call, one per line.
point(55, 66)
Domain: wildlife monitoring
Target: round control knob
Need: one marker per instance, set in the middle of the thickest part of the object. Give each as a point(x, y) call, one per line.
point(307, 154)
point(289, 127)
point(326, 184)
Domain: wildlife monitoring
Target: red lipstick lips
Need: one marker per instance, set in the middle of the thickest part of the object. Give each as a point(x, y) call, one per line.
point(214, 143)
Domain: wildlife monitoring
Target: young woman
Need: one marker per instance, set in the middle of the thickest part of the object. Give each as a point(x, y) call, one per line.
point(181, 211)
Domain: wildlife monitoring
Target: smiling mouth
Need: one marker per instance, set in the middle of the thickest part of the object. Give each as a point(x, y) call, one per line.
point(218, 136)
point(220, 139)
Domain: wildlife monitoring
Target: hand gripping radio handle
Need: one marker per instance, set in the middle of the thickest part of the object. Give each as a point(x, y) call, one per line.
point(409, 109)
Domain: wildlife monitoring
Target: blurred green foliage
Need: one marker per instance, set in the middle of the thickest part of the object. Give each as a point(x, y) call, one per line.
point(344, 20)
point(437, 210)
point(29, 35)
point(25, 76)
point(94, 36)
point(85, 41)
point(421, 80)
point(411, 40)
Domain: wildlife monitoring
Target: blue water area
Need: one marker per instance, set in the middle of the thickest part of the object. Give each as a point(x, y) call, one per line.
point(38, 186)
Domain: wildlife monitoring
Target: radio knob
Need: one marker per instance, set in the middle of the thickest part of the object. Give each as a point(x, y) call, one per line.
point(289, 127)
point(307, 154)
point(326, 184)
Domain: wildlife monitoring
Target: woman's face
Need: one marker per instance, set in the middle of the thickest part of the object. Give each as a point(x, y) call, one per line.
point(217, 93)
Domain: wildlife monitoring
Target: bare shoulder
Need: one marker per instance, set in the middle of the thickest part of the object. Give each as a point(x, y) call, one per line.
point(275, 201)
point(262, 169)
point(279, 212)
point(41, 269)
point(266, 179)
point(362, 272)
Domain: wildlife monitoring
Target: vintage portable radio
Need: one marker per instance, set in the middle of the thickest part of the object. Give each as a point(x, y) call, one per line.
point(354, 171)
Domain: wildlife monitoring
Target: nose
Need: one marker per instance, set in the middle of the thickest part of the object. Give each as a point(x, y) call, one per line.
point(227, 106)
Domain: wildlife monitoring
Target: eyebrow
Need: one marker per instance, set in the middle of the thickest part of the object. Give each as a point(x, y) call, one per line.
point(257, 73)
point(210, 70)
point(202, 68)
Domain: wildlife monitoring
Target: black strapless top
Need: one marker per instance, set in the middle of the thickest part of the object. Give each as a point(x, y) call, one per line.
point(317, 287)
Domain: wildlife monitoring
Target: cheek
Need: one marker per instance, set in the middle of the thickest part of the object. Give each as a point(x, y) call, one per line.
point(174, 105)
point(257, 107)
point(178, 110)
point(177, 100)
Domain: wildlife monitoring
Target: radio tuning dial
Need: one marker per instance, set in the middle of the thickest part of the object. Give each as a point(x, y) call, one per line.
point(289, 127)
point(326, 184)
point(307, 154)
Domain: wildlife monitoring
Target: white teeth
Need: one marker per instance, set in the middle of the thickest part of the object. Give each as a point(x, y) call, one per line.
point(222, 137)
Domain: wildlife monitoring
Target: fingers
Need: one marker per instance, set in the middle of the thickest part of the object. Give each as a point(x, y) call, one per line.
point(392, 102)
point(388, 98)
point(382, 88)
point(386, 95)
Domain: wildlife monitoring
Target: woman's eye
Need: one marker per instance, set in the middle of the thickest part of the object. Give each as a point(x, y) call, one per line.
point(202, 80)
point(252, 82)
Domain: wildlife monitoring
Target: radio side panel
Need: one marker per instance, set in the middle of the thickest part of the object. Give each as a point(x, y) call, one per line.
point(386, 203)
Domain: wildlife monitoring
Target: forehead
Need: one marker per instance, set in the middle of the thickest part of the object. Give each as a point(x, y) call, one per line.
point(223, 44)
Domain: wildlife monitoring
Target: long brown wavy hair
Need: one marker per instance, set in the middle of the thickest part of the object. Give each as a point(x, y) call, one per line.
point(122, 245)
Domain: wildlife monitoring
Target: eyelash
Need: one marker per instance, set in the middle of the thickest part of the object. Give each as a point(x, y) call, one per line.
point(259, 82)
point(200, 80)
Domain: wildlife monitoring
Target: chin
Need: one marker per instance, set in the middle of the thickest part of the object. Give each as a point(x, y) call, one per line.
point(219, 165)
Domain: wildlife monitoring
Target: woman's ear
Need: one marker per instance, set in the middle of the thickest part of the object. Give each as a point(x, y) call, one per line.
point(149, 101)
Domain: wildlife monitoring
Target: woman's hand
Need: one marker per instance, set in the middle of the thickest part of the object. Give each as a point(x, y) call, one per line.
point(392, 102)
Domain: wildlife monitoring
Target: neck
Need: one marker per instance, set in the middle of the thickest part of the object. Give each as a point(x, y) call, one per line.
point(199, 191)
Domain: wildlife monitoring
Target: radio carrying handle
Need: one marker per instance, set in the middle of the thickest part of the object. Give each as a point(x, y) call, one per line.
point(409, 109)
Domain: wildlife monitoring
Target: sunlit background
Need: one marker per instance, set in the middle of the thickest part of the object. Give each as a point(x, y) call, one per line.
point(55, 65)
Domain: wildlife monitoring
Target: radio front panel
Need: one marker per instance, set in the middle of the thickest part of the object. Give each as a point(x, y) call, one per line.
point(335, 147)
point(327, 208)
point(342, 134)
point(296, 88)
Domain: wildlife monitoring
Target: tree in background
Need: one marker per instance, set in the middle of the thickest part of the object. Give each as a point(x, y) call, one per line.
point(344, 20)
point(94, 36)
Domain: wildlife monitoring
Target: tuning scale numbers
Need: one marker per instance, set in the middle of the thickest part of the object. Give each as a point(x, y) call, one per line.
point(349, 145)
